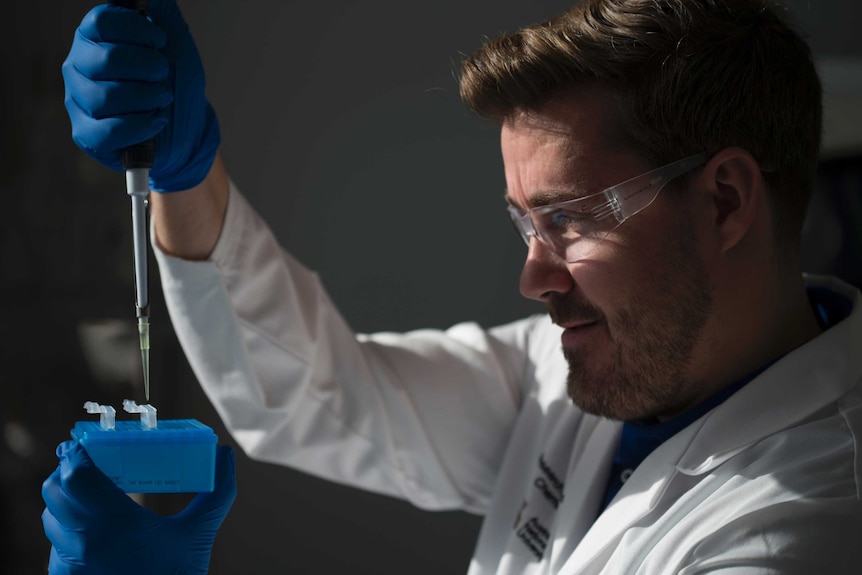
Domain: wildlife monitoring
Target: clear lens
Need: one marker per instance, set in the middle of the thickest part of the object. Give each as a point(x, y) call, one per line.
point(522, 223)
point(573, 233)
point(570, 229)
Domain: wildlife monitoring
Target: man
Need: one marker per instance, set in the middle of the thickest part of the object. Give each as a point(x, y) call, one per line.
point(691, 403)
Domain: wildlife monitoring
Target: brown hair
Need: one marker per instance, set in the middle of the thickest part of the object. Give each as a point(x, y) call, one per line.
point(689, 76)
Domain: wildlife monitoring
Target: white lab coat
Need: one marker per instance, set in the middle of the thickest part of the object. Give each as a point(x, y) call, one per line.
point(475, 419)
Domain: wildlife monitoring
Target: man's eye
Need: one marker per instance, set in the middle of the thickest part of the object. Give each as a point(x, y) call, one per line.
point(569, 220)
point(570, 225)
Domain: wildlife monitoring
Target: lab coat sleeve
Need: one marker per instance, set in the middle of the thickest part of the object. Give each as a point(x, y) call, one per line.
point(423, 416)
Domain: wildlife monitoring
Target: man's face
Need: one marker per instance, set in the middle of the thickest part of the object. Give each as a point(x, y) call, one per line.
point(636, 306)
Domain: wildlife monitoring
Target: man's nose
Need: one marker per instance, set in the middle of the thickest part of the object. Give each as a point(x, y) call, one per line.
point(544, 273)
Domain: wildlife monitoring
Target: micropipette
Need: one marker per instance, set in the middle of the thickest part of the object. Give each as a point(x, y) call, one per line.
point(137, 161)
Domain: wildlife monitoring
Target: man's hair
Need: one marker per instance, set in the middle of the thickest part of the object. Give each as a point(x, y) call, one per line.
point(687, 76)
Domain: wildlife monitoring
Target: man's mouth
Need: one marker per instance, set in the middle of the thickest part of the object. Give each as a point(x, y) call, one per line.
point(577, 324)
point(576, 333)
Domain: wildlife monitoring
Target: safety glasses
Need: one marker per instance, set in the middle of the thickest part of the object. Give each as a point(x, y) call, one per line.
point(573, 228)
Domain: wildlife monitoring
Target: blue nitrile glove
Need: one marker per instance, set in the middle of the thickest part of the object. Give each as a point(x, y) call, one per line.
point(96, 529)
point(129, 79)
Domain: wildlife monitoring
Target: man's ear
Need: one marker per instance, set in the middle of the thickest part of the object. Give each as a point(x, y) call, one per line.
point(734, 182)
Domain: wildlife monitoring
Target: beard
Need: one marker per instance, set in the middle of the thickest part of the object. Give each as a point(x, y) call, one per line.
point(644, 374)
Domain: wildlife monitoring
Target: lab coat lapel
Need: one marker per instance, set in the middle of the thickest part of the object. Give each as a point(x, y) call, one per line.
point(640, 495)
point(585, 486)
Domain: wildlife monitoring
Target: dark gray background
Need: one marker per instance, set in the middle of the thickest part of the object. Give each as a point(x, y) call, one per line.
point(341, 123)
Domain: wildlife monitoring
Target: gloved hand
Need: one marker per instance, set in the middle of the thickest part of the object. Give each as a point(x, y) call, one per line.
point(128, 79)
point(96, 529)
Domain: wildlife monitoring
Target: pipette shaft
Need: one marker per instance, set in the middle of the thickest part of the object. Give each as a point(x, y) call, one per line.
point(138, 187)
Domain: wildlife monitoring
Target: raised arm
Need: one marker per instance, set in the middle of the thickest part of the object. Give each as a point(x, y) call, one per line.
point(187, 225)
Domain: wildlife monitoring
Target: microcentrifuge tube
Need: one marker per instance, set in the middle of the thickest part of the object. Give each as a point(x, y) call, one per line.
point(107, 413)
point(147, 411)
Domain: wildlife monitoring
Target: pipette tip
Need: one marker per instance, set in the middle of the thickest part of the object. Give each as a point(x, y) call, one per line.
point(144, 332)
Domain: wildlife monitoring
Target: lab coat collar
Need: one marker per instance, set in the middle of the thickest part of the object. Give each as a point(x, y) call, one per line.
point(796, 386)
